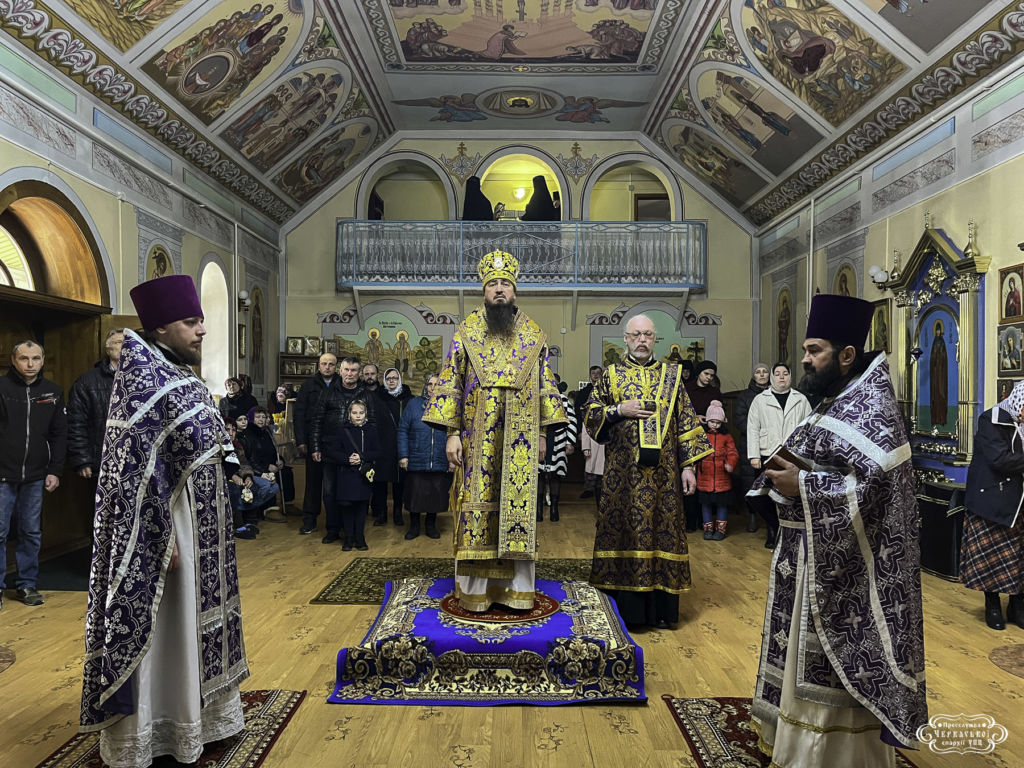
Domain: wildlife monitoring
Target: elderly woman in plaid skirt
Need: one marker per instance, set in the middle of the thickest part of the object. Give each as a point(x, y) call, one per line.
point(992, 559)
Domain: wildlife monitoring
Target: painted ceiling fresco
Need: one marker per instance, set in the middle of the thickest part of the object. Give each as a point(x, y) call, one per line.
point(762, 101)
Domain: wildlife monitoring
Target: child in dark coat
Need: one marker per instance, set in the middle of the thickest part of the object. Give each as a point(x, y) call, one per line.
point(352, 450)
point(714, 483)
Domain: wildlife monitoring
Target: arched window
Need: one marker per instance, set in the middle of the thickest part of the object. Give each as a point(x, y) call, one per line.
point(14, 270)
point(213, 294)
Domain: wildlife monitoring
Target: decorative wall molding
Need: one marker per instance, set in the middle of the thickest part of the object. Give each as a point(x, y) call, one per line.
point(30, 120)
point(919, 178)
point(127, 175)
point(838, 224)
point(215, 228)
point(460, 165)
point(259, 257)
point(155, 231)
point(1005, 132)
point(440, 318)
point(576, 166)
point(787, 251)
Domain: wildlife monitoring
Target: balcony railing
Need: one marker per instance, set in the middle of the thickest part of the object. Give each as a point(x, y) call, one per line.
point(552, 255)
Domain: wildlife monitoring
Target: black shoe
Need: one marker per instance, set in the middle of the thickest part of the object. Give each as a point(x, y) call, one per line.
point(994, 611)
point(752, 523)
point(246, 532)
point(414, 527)
point(346, 547)
point(362, 547)
point(587, 495)
point(399, 520)
point(773, 538)
point(304, 531)
point(380, 521)
point(554, 510)
point(432, 532)
point(330, 538)
point(662, 624)
point(30, 596)
point(1015, 610)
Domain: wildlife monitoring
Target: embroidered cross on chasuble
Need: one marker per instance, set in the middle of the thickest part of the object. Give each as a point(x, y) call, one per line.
point(496, 393)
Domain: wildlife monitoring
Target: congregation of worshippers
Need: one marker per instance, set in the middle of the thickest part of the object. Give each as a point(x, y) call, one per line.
point(475, 437)
point(819, 469)
point(548, 382)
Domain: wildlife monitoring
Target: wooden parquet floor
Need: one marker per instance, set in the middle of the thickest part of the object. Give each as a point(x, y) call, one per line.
point(292, 644)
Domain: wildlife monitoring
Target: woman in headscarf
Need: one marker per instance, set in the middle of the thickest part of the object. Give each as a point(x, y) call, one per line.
point(992, 559)
point(476, 206)
point(392, 398)
point(237, 402)
point(421, 452)
point(278, 402)
point(759, 382)
point(541, 207)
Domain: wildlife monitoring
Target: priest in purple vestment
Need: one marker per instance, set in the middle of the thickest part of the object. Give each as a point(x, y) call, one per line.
point(841, 677)
point(163, 637)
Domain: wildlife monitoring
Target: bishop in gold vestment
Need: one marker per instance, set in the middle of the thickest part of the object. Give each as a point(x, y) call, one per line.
point(495, 395)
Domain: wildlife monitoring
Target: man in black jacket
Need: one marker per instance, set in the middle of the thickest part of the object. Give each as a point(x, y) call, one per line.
point(331, 414)
point(88, 401)
point(33, 440)
point(305, 411)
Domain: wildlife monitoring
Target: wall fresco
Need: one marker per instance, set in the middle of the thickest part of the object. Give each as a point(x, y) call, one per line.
point(813, 50)
point(712, 162)
point(208, 70)
point(757, 122)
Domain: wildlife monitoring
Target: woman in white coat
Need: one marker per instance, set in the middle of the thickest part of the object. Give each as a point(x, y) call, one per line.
point(773, 415)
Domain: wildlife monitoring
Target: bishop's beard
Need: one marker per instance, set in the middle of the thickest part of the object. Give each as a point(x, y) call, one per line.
point(501, 318)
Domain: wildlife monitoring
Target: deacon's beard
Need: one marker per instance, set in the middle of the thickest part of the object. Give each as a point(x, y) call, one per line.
point(818, 383)
point(501, 318)
point(190, 356)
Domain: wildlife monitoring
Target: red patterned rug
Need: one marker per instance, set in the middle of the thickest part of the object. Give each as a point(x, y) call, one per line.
point(543, 606)
point(719, 733)
point(266, 715)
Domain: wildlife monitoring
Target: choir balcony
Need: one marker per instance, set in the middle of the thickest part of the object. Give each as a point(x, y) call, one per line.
point(665, 258)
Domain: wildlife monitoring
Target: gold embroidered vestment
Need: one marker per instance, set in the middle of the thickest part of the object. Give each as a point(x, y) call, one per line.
point(496, 393)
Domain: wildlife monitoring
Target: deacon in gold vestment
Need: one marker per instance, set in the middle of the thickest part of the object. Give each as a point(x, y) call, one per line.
point(640, 411)
point(495, 394)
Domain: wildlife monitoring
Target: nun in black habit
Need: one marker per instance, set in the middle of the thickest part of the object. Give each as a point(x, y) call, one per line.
point(476, 207)
point(541, 207)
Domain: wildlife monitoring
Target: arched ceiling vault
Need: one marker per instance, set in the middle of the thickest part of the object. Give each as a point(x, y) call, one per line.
point(763, 100)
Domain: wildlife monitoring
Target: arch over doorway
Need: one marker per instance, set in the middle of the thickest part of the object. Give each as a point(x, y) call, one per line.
point(58, 236)
point(648, 163)
point(539, 156)
point(393, 161)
